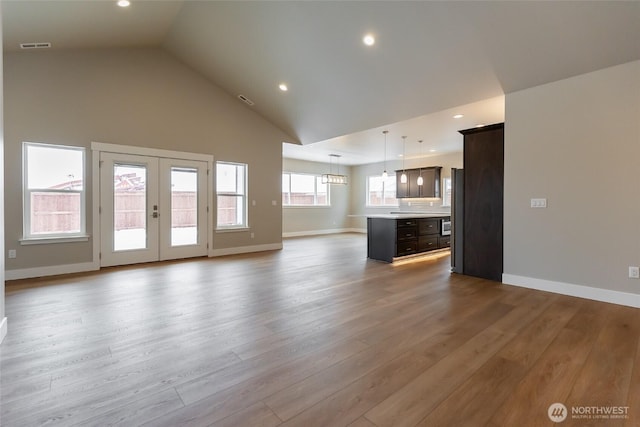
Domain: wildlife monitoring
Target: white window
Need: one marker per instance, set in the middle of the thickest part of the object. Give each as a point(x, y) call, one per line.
point(304, 190)
point(231, 188)
point(381, 191)
point(54, 191)
point(446, 192)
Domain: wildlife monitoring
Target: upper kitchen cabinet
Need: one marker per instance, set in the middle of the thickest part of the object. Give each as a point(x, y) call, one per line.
point(431, 181)
point(429, 188)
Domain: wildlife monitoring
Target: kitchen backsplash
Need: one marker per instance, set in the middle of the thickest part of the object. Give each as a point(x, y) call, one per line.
point(423, 206)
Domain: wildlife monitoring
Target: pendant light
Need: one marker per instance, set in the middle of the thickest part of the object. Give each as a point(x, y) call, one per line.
point(385, 174)
point(420, 180)
point(403, 177)
point(332, 178)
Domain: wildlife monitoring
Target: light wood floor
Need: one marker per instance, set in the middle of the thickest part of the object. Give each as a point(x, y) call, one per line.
point(313, 335)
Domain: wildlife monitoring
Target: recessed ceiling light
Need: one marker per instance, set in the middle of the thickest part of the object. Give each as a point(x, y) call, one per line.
point(124, 3)
point(369, 40)
point(458, 116)
point(400, 155)
point(433, 150)
point(283, 87)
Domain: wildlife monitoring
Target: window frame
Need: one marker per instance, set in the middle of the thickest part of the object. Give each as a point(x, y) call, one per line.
point(28, 237)
point(368, 193)
point(446, 200)
point(318, 177)
point(243, 195)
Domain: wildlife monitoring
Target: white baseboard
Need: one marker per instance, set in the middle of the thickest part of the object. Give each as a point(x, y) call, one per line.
point(3, 329)
point(580, 291)
point(53, 270)
point(323, 232)
point(246, 249)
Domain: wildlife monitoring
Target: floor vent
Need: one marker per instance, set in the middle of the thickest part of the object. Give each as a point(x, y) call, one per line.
point(245, 100)
point(35, 45)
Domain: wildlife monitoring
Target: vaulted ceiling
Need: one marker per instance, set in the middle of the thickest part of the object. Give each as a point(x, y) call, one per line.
point(430, 58)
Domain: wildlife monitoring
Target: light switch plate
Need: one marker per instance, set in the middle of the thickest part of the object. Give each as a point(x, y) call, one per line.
point(634, 273)
point(538, 203)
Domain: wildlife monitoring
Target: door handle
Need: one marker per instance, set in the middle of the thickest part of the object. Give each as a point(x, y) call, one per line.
point(155, 215)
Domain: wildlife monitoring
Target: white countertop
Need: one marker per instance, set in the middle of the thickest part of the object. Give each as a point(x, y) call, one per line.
point(409, 215)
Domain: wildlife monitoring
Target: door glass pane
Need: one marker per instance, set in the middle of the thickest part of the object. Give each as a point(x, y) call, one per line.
point(184, 206)
point(129, 207)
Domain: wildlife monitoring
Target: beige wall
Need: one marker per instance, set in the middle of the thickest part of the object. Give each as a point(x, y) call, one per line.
point(358, 187)
point(311, 220)
point(138, 97)
point(2, 266)
point(575, 142)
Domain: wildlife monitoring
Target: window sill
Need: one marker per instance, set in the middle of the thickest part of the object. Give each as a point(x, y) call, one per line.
point(51, 240)
point(382, 206)
point(231, 229)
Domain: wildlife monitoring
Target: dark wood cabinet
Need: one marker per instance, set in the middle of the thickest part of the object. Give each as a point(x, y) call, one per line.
point(411, 189)
point(402, 189)
point(406, 247)
point(483, 201)
point(429, 226)
point(389, 238)
point(429, 233)
point(431, 184)
point(406, 233)
point(427, 243)
point(444, 241)
point(406, 237)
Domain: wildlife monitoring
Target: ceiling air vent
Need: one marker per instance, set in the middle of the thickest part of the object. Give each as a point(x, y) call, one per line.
point(42, 45)
point(245, 100)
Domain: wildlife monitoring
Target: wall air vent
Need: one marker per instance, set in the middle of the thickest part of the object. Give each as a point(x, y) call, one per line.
point(245, 100)
point(42, 45)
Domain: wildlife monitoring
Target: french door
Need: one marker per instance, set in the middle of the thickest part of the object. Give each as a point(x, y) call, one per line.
point(151, 209)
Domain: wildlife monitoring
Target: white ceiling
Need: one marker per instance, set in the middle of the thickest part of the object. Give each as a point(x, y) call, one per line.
point(438, 131)
point(431, 58)
point(86, 23)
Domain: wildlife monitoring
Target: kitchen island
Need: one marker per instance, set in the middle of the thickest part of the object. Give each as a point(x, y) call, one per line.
point(394, 236)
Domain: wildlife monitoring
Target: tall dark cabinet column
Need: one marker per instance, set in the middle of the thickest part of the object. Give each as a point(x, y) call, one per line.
point(483, 201)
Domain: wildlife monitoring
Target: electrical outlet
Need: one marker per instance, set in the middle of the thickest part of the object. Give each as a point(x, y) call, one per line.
point(12, 253)
point(538, 203)
point(634, 273)
point(253, 235)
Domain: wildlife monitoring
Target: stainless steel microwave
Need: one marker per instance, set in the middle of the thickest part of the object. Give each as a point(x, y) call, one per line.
point(446, 227)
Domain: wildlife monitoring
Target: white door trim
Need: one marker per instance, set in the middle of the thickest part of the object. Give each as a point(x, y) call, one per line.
point(152, 152)
point(98, 147)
